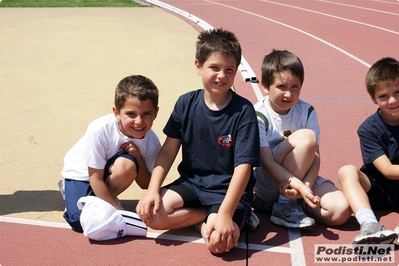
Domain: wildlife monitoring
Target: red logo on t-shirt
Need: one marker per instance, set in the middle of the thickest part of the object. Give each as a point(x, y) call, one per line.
point(225, 141)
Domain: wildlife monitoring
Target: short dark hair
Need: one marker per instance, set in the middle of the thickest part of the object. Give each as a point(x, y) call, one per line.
point(384, 71)
point(217, 41)
point(136, 86)
point(279, 61)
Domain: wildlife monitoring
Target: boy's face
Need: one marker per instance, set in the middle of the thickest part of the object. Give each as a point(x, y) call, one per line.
point(387, 99)
point(217, 73)
point(136, 117)
point(284, 92)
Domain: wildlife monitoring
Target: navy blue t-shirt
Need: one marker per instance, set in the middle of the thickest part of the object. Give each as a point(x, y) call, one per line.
point(213, 143)
point(376, 139)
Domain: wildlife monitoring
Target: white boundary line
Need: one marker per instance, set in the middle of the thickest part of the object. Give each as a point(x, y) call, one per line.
point(332, 16)
point(296, 29)
point(360, 7)
point(151, 235)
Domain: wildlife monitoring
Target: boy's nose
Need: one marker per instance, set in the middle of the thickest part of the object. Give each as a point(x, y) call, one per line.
point(221, 74)
point(392, 99)
point(138, 120)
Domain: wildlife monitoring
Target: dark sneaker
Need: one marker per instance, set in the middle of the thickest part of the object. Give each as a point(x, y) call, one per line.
point(374, 233)
point(251, 223)
point(291, 215)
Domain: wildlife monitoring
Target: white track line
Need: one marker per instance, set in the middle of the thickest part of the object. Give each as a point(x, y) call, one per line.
point(360, 7)
point(299, 30)
point(152, 235)
point(332, 16)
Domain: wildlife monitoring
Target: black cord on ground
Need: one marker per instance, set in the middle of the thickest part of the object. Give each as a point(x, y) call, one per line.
point(246, 242)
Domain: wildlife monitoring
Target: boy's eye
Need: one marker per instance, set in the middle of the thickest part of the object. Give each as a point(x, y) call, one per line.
point(382, 96)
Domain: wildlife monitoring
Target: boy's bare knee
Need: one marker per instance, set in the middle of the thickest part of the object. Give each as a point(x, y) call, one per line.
point(346, 172)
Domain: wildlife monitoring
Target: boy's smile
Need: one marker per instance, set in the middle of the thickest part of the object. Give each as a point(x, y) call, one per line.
point(217, 72)
point(136, 117)
point(387, 98)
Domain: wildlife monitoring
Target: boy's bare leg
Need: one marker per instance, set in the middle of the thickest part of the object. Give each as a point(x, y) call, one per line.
point(122, 174)
point(297, 153)
point(172, 215)
point(334, 208)
point(355, 185)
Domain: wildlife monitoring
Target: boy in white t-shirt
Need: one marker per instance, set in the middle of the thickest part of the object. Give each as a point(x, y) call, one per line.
point(116, 149)
point(289, 132)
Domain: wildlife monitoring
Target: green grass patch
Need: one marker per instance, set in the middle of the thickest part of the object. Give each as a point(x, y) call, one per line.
point(69, 3)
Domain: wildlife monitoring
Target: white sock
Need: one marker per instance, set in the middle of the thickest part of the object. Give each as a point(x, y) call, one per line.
point(282, 199)
point(365, 215)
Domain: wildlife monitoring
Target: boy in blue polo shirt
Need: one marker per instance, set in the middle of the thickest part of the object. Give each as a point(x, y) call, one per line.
point(376, 184)
point(218, 133)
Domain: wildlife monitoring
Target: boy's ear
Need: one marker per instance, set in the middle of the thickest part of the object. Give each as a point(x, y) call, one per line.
point(116, 112)
point(265, 89)
point(198, 66)
point(156, 113)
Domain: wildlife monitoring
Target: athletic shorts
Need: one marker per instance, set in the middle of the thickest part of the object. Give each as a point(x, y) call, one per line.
point(191, 201)
point(272, 192)
point(383, 196)
point(75, 189)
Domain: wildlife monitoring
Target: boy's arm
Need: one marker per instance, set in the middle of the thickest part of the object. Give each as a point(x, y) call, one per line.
point(290, 185)
point(150, 202)
point(223, 223)
point(272, 168)
point(385, 166)
point(99, 187)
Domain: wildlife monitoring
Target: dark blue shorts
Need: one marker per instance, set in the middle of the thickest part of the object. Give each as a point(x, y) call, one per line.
point(191, 201)
point(75, 189)
point(383, 196)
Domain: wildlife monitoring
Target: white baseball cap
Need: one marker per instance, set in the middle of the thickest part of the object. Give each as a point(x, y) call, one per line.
point(101, 221)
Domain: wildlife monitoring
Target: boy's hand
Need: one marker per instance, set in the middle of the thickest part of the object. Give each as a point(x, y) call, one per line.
point(312, 200)
point(287, 191)
point(132, 149)
point(222, 233)
point(148, 206)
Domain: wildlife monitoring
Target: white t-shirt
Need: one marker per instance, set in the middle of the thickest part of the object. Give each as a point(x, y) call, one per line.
point(271, 132)
point(101, 141)
point(297, 118)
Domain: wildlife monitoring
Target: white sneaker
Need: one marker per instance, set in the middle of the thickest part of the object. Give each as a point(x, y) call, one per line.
point(374, 233)
point(291, 215)
point(61, 186)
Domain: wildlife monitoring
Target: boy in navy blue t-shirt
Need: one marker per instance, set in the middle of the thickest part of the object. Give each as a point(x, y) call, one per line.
point(376, 184)
point(217, 130)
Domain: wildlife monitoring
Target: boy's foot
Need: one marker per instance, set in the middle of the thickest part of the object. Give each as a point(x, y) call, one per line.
point(291, 215)
point(62, 188)
point(251, 223)
point(374, 233)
